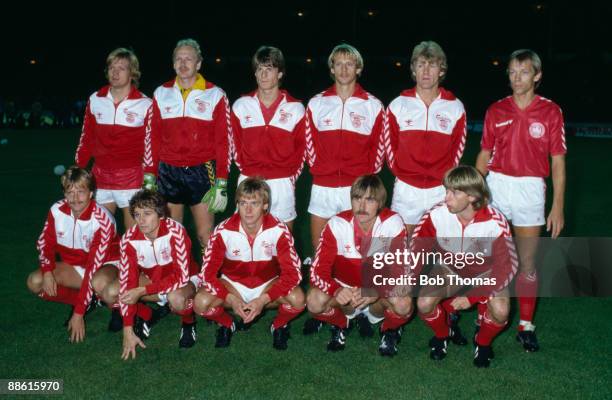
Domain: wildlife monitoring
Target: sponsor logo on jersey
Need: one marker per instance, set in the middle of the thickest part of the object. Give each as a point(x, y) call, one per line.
point(248, 119)
point(537, 130)
point(284, 116)
point(504, 123)
point(408, 123)
point(356, 119)
point(60, 234)
point(202, 105)
point(347, 248)
point(444, 121)
point(327, 122)
point(98, 115)
point(141, 258)
point(168, 109)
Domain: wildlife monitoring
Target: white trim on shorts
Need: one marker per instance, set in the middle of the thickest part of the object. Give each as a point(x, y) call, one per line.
point(522, 199)
point(119, 197)
point(325, 202)
point(282, 198)
point(248, 294)
point(411, 202)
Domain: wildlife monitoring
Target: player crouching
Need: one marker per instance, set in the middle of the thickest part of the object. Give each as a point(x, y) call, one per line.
point(156, 266)
point(336, 275)
point(83, 235)
point(250, 264)
point(464, 223)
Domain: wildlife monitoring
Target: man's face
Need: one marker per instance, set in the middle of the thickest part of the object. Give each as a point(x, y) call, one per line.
point(427, 73)
point(252, 210)
point(344, 69)
point(78, 198)
point(522, 76)
point(267, 76)
point(365, 209)
point(457, 201)
point(147, 220)
point(119, 74)
point(186, 63)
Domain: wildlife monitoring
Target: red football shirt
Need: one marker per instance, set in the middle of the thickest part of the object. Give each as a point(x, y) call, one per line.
point(522, 140)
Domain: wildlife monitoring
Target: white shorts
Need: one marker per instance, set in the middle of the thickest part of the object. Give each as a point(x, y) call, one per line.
point(364, 311)
point(119, 197)
point(245, 292)
point(81, 270)
point(411, 202)
point(521, 199)
point(163, 298)
point(325, 202)
point(282, 201)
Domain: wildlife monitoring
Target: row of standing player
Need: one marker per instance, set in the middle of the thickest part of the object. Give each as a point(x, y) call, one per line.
point(422, 135)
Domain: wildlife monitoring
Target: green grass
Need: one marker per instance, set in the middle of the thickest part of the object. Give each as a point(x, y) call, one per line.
point(575, 360)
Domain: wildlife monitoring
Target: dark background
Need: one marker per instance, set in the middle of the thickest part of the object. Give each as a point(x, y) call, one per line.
point(69, 44)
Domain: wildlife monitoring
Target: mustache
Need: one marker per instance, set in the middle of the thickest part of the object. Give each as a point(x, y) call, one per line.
point(362, 213)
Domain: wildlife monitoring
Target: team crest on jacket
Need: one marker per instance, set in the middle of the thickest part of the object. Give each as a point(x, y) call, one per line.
point(87, 241)
point(130, 116)
point(202, 105)
point(284, 116)
point(537, 130)
point(268, 248)
point(444, 121)
point(356, 119)
point(165, 254)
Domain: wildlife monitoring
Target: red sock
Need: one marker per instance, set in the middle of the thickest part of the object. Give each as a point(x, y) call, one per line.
point(187, 316)
point(436, 320)
point(526, 287)
point(144, 311)
point(220, 316)
point(63, 295)
point(482, 308)
point(392, 321)
point(335, 316)
point(285, 314)
point(488, 330)
point(446, 305)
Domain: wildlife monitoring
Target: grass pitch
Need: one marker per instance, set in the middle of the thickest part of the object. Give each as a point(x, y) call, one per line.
point(575, 360)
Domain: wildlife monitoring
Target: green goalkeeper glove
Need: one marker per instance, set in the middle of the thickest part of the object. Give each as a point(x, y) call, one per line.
point(216, 197)
point(149, 182)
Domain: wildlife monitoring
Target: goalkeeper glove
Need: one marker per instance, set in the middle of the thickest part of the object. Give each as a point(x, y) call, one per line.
point(149, 182)
point(216, 197)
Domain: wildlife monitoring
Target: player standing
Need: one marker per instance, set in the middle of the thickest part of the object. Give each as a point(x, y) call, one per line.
point(344, 138)
point(187, 144)
point(113, 133)
point(268, 132)
point(425, 136)
point(520, 133)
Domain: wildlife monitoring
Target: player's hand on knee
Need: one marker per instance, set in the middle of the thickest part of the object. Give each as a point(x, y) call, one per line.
point(49, 284)
point(76, 327)
point(130, 341)
point(344, 296)
point(238, 306)
point(461, 303)
point(255, 306)
point(149, 182)
point(132, 296)
point(216, 197)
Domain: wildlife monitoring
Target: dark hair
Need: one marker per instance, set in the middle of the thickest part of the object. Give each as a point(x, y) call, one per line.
point(268, 55)
point(149, 199)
